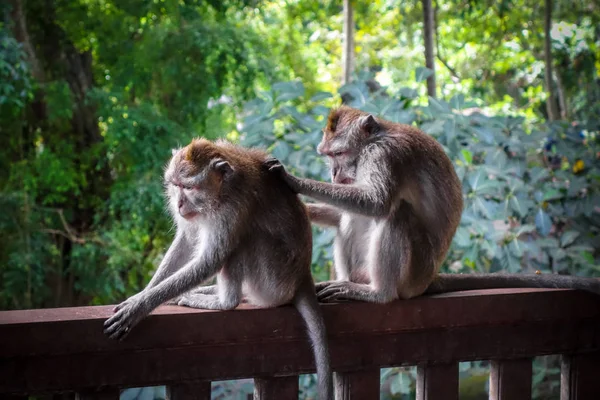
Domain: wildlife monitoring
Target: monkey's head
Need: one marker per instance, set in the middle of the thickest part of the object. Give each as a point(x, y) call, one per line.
point(347, 132)
point(194, 178)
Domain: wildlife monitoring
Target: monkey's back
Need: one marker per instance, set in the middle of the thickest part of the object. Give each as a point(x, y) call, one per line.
point(278, 234)
point(425, 169)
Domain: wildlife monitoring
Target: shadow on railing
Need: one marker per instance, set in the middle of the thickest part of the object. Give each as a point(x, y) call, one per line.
point(55, 350)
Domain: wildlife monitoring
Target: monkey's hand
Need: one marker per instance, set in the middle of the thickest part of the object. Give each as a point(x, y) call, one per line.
point(129, 313)
point(275, 166)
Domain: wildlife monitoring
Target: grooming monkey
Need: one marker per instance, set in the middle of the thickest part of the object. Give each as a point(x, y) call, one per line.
point(396, 202)
point(238, 221)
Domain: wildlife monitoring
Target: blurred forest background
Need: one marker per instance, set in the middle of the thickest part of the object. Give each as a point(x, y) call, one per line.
point(95, 93)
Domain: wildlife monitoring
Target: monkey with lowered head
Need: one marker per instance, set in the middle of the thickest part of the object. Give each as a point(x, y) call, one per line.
point(238, 221)
point(396, 203)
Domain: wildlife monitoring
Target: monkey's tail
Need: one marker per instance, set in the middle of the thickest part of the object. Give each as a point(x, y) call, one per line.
point(444, 283)
point(308, 307)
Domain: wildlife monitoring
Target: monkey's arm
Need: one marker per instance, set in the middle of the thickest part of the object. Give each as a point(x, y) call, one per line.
point(177, 256)
point(371, 201)
point(196, 271)
point(324, 214)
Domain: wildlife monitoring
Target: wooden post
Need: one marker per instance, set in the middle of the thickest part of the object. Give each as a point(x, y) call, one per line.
point(510, 379)
point(281, 388)
point(437, 382)
point(357, 385)
point(579, 377)
point(199, 390)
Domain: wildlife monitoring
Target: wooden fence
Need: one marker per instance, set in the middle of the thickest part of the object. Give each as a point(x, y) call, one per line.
point(56, 350)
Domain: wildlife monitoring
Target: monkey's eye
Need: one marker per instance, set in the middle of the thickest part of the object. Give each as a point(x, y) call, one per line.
point(338, 153)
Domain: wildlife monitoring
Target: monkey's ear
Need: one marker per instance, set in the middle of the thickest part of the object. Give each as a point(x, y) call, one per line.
point(174, 151)
point(223, 166)
point(369, 125)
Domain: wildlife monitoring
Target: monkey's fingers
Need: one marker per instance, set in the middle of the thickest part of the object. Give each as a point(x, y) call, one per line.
point(118, 328)
point(271, 161)
point(319, 286)
point(119, 306)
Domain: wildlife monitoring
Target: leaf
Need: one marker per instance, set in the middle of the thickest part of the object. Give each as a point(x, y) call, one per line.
point(543, 222)
point(536, 174)
point(438, 106)
point(434, 128)
point(422, 73)
point(457, 102)
point(281, 150)
point(467, 156)
point(520, 204)
point(516, 248)
point(568, 238)
point(462, 237)
point(552, 194)
point(496, 157)
point(320, 96)
point(476, 178)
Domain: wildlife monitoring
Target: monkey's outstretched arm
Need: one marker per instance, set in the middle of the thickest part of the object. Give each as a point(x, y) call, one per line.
point(369, 201)
point(196, 271)
point(373, 200)
point(324, 214)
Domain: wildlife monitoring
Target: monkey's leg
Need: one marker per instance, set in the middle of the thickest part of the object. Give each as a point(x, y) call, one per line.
point(211, 289)
point(385, 251)
point(228, 293)
point(340, 262)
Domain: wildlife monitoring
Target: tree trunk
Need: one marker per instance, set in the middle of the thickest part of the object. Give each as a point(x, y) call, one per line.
point(348, 51)
point(562, 100)
point(429, 31)
point(551, 106)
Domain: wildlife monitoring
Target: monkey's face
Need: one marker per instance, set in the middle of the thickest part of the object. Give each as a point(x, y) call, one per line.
point(342, 163)
point(193, 184)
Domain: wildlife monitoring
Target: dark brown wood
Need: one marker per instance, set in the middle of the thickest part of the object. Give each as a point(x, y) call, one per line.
point(357, 385)
point(65, 349)
point(199, 390)
point(510, 379)
point(100, 394)
point(580, 377)
point(437, 382)
point(280, 388)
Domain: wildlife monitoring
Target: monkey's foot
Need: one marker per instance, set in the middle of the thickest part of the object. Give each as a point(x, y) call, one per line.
point(212, 289)
point(344, 291)
point(319, 286)
point(131, 311)
point(206, 302)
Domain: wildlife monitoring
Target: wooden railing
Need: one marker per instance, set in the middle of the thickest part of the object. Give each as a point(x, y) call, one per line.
point(65, 349)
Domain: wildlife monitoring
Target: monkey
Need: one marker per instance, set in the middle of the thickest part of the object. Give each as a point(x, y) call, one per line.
point(396, 202)
point(237, 221)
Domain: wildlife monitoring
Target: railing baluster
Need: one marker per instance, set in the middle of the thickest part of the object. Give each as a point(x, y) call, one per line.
point(357, 385)
point(276, 388)
point(110, 393)
point(510, 379)
point(437, 382)
point(579, 377)
point(199, 390)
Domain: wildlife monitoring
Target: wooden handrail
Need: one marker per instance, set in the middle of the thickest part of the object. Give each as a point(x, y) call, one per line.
point(65, 349)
